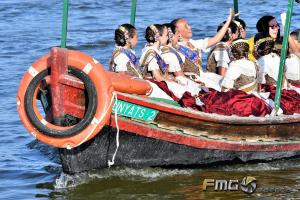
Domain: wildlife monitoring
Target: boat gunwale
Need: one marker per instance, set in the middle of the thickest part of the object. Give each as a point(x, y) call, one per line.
point(211, 117)
point(203, 142)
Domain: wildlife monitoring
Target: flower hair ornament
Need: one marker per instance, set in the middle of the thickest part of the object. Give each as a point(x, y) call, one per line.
point(240, 43)
point(126, 34)
point(264, 46)
point(156, 33)
point(240, 48)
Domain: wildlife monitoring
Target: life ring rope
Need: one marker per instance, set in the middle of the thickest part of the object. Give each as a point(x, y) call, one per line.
point(96, 121)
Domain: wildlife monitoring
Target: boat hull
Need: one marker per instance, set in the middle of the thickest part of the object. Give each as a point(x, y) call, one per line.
point(139, 151)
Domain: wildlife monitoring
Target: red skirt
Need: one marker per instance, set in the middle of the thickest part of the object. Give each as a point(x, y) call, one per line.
point(233, 102)
point(289, 102)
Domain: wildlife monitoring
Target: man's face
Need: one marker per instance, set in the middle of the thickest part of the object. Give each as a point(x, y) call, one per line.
point(184, 29)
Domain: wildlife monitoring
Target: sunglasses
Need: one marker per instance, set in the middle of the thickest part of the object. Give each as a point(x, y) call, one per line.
point(274, 26)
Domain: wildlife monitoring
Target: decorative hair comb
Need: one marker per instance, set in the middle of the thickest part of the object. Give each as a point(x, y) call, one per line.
point(239, 41)
point(122, 28)
point(153, 28)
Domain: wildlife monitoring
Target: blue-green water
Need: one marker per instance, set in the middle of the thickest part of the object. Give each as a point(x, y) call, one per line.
point(28, 170)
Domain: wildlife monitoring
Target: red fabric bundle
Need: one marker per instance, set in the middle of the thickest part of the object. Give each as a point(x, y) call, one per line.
point(233, 102)
point(163, 86)
point(296, 85)
point(289, 102)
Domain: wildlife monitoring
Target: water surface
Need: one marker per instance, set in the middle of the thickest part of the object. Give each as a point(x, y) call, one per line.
point(29, 170)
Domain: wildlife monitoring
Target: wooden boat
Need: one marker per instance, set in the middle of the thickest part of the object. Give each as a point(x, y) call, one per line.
point(152, 132)
point(98, 118)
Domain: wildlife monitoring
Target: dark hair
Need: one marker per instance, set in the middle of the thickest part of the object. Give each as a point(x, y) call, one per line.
point(240, 50)
point(262, 26)
point(263, 48)
point(242, 22)
point(153, 32)
point(171, 26)
point(120, 35)
point(232, 26)
point(296, 34)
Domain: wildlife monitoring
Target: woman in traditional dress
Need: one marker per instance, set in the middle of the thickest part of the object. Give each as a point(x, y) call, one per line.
point(124, 61)
point(268, 61)
point(242, 73)
point(154, 67)
point(220, 56)
point(240, 82)
point(293, 62)
point(267, 26)
point(268, 54)
point(123, 58)
point(242, 28)
point(175, 63)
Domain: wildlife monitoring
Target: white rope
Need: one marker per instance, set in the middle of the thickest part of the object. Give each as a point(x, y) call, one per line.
point(99, 120)
point(112, 161)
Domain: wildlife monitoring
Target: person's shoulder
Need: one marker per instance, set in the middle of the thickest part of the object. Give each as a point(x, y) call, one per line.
point(247, 64)
point(221, 45)
point(199, 43)
point(147, 51)
point(164, 49)
point(121, 57)
point(235, 64)
point(116, 52)
point(251, 40)
point(247, 61)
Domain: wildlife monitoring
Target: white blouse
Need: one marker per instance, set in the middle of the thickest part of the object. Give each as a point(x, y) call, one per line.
point(221, 56)
point(268, 65)
point(151, 60)
point(172, 60)
point(293, 67)
point(200, 45)
point(236, 69)
point(121, 60)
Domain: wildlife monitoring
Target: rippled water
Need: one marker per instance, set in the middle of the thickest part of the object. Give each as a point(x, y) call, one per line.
point(28, 169)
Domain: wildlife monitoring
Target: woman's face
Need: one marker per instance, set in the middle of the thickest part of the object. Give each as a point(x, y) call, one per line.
point(273, 28)
point(233, 36)
point(243, 32)
point(297, 43)
point(170, 35)
point(133, 41)
point(163, 39)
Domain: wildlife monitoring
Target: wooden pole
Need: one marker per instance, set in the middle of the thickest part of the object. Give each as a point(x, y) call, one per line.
point(283, 54)
point(133, 12)
point(236, 7)
point(64, 25)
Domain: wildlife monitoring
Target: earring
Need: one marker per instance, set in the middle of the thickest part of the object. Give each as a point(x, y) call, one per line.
point(180, 38)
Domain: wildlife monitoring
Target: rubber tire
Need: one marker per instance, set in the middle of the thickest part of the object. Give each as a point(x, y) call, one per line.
point(90, 111)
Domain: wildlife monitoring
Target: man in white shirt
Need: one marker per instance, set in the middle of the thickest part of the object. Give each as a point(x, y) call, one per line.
point(185, 34)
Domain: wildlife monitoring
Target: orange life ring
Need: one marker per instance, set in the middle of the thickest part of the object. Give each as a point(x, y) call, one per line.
point(104, 90)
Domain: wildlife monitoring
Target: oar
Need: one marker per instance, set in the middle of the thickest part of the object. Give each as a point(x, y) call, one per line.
point(283, 56)
point(64, 25)
point(133, 12)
